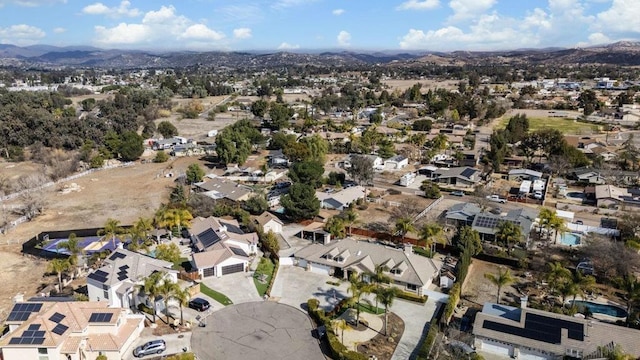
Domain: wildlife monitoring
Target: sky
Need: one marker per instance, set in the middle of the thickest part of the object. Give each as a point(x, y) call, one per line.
point(423, 25)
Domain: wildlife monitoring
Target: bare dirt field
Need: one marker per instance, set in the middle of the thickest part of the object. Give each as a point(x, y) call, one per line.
point(477, 289)
point(403, 85)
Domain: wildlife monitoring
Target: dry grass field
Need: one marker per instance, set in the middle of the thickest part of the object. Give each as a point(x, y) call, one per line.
point(403, 85)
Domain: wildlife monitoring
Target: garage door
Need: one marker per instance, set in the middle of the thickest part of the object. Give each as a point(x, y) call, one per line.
point(320, 269)
point(230, 269)
point(496, 348)
point(531, 355)
point(209, 272)
point(302, 263)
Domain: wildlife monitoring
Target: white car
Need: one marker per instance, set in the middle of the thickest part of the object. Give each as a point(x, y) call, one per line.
point(537, 195)
point(496, 198)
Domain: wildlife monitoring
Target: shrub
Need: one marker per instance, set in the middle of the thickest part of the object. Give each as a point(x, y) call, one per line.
point(425, 347)
point(422, 251)
point(412, 297)
point(161, 157)
point(145, 309)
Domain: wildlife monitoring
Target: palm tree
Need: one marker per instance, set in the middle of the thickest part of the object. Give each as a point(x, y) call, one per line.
point(631, 286)
point(182, 296)
point(151, 288)
point(181, 217)
point(580, 284)
point(557, 275)
point(139, 233)
point(403, 226)
point(170, 218)
point(72, 245)
point(379, 277)
point(110, 231)
point(546, 216)
point(357, 288)
point(503, 278)
point(335, 227)
point(340, 324)
point(386, 297)
point(508, 233)
point(167, 290)
point(350, 217)
point(59, 266)
point(557, 225)
point(431, 234)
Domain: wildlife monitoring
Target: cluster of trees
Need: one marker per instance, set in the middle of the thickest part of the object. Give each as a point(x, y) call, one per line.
point(235, 143)
point(309, 148)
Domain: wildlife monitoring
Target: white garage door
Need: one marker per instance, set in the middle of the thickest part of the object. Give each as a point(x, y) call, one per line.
point(496, 348)
point(531, 355)
point(320, 269)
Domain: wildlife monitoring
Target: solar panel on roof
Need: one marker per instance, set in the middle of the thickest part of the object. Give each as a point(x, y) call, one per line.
point(34, 327)
point(468, 172)
point(99, 276)
point(208, 238)
point(238, 251)
point(37, 341)
point(124, 267)
point(38, 334)
point(14, 341)
point(28, 333)
point(232, 228)
point(100, 317)
point(57, 317)
point(60, 329)
point(117, 255)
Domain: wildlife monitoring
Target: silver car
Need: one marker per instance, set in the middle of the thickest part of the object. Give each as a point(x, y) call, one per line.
point(151, 347)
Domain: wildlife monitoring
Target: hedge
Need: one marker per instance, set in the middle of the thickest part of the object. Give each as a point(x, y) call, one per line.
point(412, 297)
point(337, 349)
point(454, 297)
point(273, 276)
point(425, 347)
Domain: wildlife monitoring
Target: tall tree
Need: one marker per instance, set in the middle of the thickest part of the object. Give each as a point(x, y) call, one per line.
point(557, 276)
point(111, 231)
point(72, 245)
point(335, 227)
point(151, 288)
point(508, 233)
point(386, 297)
point(631, 286)
point(501, 279)
point(432, 233)
point(167, 289)
point(182, 296)
point(361, 170)
point(301, 202)
point(403, 226)
point(350, 217)
point(194, 173)
point(307, 172)
point(357, 288)
point(58, 267)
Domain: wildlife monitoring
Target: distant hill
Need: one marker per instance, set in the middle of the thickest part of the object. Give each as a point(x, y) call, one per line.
point(624, 53)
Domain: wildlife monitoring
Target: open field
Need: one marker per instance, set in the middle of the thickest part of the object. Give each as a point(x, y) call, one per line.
point(477, 289)
point(403, 85)
point(565, 126)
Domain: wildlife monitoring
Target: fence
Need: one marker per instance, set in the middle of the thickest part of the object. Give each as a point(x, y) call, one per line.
point(428, 208)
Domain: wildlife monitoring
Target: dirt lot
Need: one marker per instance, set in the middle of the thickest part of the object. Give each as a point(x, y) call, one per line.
point(124, 194)
point(477, 289)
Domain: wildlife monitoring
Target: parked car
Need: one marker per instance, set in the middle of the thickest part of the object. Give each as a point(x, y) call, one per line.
point(537, 195)
point(199, 304)
point(151, 347)
point(457, 193)
point(496, 198)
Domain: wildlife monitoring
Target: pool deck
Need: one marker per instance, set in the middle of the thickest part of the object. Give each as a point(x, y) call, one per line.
point(604, 301)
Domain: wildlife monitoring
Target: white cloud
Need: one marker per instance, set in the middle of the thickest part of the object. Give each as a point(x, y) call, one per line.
point(287, 46)
point(537, 19)
point(242, 33)
point(160, 28)
point(621, 17)
point(344, 39)
point(466, 9)
point(31, 3)
point(59, 30)
point(595, 39)
point(124, 9)
point(338, 12)
point(419, 5)
point(21, 34)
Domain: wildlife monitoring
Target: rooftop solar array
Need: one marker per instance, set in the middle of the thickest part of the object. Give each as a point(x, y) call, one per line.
point(57, 317)
point(540, 328)
point(238, 251)
point(232, 228)
point(34, 327)
point(486, 221)
point(117, 255)
point(468, 172)
point(208, 238)
point(22, 311)
point(99, 276)
point(100, 317)
point(31, 336)
point(60, 329)
point(122, 273)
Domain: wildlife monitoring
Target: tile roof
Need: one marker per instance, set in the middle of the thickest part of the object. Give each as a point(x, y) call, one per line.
point(124, 265)
point(265, 217)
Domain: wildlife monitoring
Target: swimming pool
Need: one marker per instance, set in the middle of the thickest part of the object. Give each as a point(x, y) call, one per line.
point(598, 308)
point(570, 239)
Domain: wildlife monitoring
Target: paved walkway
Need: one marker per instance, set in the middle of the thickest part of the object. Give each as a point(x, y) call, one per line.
point(257, 331)
point(351, 337)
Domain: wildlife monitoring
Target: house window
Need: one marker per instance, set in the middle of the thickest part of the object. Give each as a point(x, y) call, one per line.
point(43, 354)
point(105, 294)
point(412, 287)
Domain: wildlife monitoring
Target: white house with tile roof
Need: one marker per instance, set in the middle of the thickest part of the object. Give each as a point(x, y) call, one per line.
point(69, 331)
point(408, 271)
point(221, 246)
point(115, 281)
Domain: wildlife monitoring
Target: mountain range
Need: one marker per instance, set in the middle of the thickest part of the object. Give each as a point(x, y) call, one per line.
point(623, 53)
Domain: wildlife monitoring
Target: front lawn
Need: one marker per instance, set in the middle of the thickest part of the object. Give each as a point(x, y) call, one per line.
point(371, 309)
point(565, 126)
point(263, 274)
point(217, 296)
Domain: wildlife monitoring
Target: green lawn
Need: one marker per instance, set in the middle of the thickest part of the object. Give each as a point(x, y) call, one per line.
point(217, 296)
point(565, 126)
point(265, 267)
point(371, 309)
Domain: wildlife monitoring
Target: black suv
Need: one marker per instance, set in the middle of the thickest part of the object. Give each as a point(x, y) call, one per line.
point(199, 304)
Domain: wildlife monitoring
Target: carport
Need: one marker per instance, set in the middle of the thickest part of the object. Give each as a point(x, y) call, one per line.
point(315, 233)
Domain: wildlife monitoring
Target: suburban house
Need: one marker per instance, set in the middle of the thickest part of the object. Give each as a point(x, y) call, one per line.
point(525, 333)
point(221, 188)
point(277, 159)
point(487, 223)
point(396, 162)
point(341, 199)
point(462, 214)
point(612, 196)
point(604, 176)
point(115, 282)
point(524, 174)
point(457, 176)
point(222, 247)
point(376, 161)
point(73, 330)
point(408, 271)
point(269, 222)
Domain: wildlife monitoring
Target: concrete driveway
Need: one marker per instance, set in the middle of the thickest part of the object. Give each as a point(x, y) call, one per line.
point(256, 331)
point(238, 287)
point(294, 286)
point(175, 343)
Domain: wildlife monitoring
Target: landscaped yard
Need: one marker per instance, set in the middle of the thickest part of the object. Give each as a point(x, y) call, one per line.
point(263, 274)
point(217, 296)
point(566, 126)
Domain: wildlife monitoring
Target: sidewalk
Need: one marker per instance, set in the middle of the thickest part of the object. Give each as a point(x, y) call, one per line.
point(352, 337)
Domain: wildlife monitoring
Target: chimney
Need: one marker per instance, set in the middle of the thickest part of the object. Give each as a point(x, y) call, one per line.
point(408, 248)
point(523, 301)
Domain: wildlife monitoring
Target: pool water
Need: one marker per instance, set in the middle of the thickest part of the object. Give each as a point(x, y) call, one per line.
point(597, 308)
point(570, 239)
